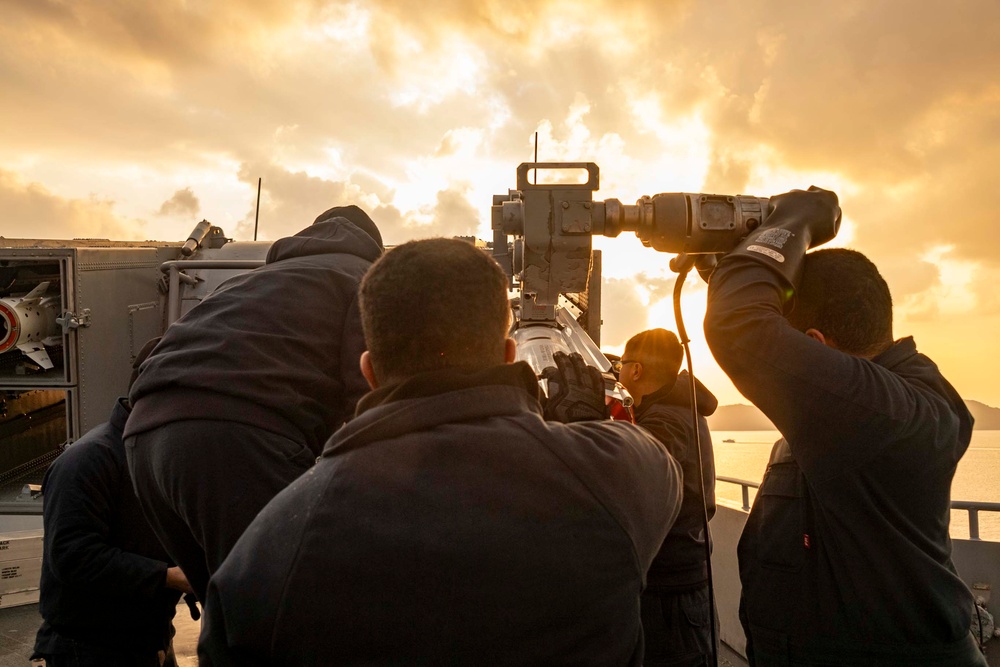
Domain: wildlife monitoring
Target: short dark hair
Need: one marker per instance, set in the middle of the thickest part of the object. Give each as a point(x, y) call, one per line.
point(434, 303)
point(843, 295)
point(659, 352)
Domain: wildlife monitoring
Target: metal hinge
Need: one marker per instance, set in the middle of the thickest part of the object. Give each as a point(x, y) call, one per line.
point(70, 320)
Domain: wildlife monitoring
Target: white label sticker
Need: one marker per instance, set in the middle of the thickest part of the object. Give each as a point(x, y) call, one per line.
point(776, 256)
point(776, 238)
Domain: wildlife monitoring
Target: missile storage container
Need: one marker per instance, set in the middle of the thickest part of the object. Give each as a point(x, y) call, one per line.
point(102, 300)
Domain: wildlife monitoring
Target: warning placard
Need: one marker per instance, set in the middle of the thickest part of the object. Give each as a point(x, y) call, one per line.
point(19, 575)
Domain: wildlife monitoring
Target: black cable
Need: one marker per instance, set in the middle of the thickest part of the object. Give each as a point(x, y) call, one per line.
point(682, 264)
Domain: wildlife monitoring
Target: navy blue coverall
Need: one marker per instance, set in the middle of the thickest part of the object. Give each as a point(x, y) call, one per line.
point(846, 557)
point(103, 595)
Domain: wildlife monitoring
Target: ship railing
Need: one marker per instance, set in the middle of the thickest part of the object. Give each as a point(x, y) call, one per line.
point(175, 276)
point(972, 507)
point(746, 486)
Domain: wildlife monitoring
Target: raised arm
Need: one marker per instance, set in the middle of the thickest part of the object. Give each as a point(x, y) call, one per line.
point(836, 410)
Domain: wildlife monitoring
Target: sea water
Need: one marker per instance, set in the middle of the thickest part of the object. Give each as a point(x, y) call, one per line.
point(977, 478)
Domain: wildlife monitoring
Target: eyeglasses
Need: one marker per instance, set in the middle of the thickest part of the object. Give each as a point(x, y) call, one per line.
point(618, 364)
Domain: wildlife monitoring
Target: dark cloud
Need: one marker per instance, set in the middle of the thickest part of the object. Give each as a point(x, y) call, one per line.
point(843, 86)
point(170, 32)
point(886, 94)
point(835, 87)
point(182, 203)
point(182, 83)
point(945, 205)
point(215, 89)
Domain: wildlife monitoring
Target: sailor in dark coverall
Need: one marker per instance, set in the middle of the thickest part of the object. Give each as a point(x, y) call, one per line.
point(449, 523)
point(845, 558)
point(675, 604)
point(107, 593)
point(238, 398)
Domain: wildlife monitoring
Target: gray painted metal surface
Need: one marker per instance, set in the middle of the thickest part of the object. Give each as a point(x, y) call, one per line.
point(110, 298)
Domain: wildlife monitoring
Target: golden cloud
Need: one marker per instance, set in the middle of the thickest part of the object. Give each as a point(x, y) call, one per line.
point(420, 115)
point(30, 210)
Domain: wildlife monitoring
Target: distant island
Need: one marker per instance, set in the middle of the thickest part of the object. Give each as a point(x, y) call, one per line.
point(739, 417)
point(987, 418)
point(742, 417)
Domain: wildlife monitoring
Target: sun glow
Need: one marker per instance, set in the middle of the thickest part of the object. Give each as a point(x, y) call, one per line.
point(422, 113)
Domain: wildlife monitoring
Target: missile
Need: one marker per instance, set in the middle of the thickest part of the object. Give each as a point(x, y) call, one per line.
point(538, 341)
point(28, 323)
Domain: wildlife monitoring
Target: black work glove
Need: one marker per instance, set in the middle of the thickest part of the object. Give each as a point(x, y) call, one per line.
point(796, 221)
point(576, 390)
point(192, 603)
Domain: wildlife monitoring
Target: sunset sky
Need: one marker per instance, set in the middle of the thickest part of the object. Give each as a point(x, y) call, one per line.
point(134, 120)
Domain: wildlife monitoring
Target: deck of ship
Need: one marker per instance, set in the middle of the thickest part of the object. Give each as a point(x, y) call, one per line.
point(19, 624)
point(977, 561)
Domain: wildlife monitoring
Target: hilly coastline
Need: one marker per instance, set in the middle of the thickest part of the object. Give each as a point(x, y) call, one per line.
point(740, 417)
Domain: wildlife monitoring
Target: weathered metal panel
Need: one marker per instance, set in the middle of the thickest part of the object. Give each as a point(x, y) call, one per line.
point(119, 289)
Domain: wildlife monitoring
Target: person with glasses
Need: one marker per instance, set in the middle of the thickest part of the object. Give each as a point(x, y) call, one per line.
point(675, 605)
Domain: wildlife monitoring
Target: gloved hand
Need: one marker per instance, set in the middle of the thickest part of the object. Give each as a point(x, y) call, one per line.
point(192, 603)
point(576, 390)
point(796, 221)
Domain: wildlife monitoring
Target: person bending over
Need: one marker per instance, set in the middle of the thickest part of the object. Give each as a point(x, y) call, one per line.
point(241, 393)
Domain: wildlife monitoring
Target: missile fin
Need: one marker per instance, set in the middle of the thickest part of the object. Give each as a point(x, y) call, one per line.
point(35, 294)
point(36, 352)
